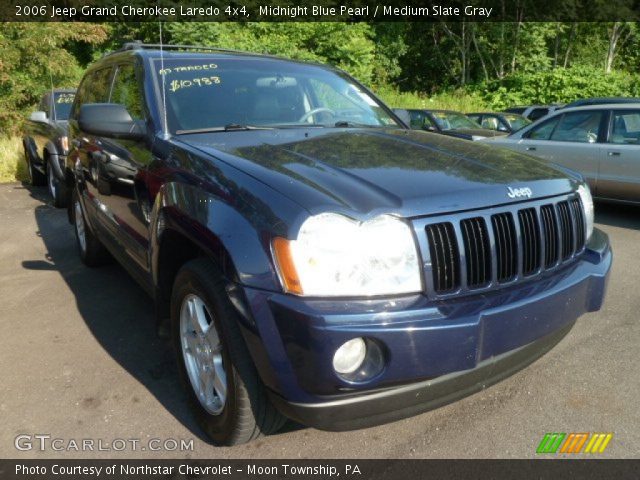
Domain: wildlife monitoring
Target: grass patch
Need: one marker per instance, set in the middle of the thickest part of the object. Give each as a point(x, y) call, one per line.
point(12, 165)
point(459, 100)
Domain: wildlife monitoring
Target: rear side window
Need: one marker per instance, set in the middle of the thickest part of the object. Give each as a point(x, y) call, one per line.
point(490, 123)
point(625, 127)
point(537, 113)
point(93, 89)
point(579, 127)
point(126, 91)
point(543, 131)
point(419, 120)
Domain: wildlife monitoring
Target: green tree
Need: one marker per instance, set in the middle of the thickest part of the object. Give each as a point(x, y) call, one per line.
point(35, 56)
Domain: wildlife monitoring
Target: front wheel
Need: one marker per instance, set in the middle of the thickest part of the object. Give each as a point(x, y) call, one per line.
point(36, 178)
point(92, 252)
point(56, 188)
point(224, 389)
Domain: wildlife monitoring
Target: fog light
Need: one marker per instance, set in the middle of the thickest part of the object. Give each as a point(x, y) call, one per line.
point(349, 357)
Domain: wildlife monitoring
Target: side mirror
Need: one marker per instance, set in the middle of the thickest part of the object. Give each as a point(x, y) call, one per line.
point(403, 115)
point(429, 128)
point(38, 116)
point(109, 120)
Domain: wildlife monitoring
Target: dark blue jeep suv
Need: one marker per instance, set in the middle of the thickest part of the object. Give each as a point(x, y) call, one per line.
point(311, 256)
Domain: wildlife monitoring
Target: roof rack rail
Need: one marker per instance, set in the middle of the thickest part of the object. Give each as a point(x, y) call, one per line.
point(138, 45)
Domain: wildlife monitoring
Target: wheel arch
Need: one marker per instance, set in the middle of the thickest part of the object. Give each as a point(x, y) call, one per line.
point(186, 223)
point(51, 154)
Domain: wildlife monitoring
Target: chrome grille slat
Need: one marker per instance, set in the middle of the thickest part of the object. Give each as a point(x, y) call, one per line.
point(530, 241)
point(566, 229)
point(477, 251)
point(550, 226)
point(444, 256)
point(504, 231)
point(579, 222)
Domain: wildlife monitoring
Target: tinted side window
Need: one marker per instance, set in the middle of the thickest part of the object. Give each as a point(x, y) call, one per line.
point(418, 120)
point(81, 94)
point(98, 90)
point(126, 91)
point(625, 127)
point(537, 113)
point(490, 123)
point(543, 131)
point(578, 127)
point(93, 89)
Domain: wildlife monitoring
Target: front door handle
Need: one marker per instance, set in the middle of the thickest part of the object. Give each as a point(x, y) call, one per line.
point(530, 149)
point(614, 154)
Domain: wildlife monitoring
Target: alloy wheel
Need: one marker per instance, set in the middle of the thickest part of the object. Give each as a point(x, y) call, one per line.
point(202, 354)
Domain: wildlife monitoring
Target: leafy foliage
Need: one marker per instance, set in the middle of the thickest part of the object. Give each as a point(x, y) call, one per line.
point(560, 85)
point(33, 56)
point(349, 47)
point(458, 65)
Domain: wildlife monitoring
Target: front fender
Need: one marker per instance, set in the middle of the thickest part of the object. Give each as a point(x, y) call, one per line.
point(219, 228)
point(54, 159)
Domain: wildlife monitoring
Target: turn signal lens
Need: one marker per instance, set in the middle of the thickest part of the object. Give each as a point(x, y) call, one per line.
point(286, 267)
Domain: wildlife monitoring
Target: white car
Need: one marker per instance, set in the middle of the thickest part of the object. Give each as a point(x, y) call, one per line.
point(602, 142)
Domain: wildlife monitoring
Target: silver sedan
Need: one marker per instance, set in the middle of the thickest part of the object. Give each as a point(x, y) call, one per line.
point(602, 142)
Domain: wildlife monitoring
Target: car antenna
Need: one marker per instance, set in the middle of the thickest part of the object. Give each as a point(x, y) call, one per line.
point(165, 129)
point(53, 105)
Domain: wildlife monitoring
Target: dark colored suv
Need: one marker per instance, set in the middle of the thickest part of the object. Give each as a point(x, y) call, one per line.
point(311, 256)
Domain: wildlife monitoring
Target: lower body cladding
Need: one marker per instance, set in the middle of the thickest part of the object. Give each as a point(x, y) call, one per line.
point(418, 355)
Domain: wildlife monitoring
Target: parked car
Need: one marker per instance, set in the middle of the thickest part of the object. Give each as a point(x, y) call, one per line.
point(46, 144)
point(602, 142)
point(313, 258)
point(583, 102)
point(446, 122)
point(533, 112)
point(502, 122)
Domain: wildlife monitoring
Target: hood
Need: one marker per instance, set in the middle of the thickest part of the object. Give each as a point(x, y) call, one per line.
point(469, 133)
point(363, 172)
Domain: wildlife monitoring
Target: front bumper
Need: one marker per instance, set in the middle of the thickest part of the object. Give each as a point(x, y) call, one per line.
point(435, 352)
point(396, 403)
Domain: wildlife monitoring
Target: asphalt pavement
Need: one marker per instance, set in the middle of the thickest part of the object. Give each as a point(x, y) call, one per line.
point(79, 361)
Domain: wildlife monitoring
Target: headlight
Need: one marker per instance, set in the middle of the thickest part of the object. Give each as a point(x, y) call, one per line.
point(587, 203)
point(337, 256)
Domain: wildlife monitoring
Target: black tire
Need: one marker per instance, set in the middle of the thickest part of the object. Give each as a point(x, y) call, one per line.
point(92, 251)
point(247, 412)
point(57, 188)
point(36, 178)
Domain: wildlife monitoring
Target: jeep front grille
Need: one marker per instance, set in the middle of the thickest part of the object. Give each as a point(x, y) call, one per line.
point(487, 249)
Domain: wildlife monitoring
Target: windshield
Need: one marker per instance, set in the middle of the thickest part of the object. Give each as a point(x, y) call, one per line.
point(62, 102)
point(453, 121)
point(238, 92)
point(517, 121)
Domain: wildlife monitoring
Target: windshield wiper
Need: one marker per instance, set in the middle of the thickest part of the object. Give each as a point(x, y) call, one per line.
point(347, 124)
point(230, 127)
